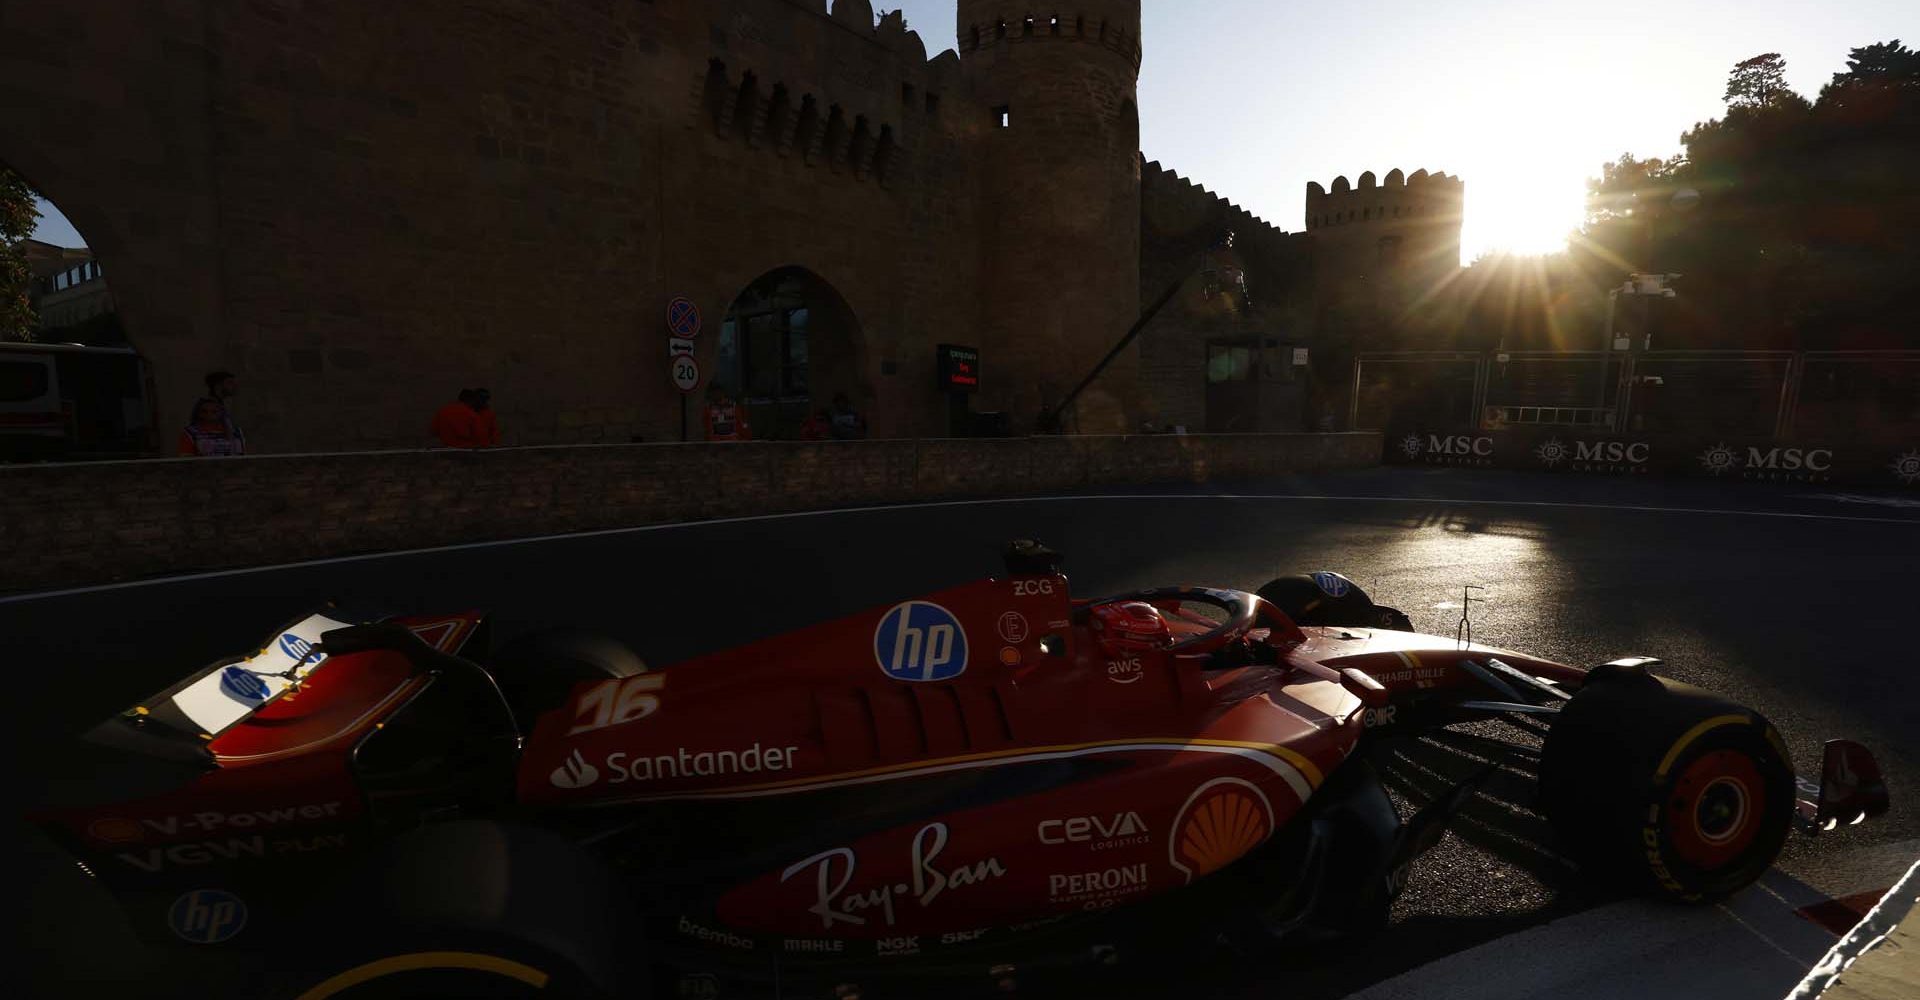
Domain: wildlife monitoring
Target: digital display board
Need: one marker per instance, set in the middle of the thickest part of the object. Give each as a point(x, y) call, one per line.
point(959, 368)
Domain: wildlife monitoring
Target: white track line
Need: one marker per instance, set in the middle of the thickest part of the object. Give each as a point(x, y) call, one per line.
point(932, 505)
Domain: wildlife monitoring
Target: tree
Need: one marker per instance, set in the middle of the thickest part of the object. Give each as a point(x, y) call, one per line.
point(1760, 83)
point(17, 219)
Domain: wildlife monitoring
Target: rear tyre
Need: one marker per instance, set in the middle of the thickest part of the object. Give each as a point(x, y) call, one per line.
point(537, 671)
point(1673, 789)
point(476, 909)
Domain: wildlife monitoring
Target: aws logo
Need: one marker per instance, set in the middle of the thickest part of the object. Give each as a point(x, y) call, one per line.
point(1221, 821)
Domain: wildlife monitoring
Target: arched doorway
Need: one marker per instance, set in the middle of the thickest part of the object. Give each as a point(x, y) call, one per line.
point(788, 346)
point(70, 385)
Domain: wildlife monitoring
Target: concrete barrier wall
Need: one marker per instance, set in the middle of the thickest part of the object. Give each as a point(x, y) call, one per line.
point(71, 525)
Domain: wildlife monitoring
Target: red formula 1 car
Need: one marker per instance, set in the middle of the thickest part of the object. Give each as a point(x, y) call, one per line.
point(983, 786)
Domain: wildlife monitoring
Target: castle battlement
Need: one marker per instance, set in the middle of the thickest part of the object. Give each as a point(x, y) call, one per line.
point(987, 25)
point(1175, 204)
point(1419, 196)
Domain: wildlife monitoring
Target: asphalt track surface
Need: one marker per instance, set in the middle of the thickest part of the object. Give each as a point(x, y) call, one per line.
point(1797, 600)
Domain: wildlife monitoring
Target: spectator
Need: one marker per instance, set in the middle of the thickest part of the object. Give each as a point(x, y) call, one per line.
point(817, 427)
point(209, 434)
point(468, 422)
point(725, 421)
point(221, 387)
point(486, 419)
point(848, 424)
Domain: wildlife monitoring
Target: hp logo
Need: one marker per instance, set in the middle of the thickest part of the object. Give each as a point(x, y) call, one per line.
point(919, 641)
point(244, 685)
point(207, 916)
point(300, 650)
point(1331, 584)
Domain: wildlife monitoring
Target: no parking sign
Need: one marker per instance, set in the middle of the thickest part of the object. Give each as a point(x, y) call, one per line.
point(683, 318)
point(683, 324)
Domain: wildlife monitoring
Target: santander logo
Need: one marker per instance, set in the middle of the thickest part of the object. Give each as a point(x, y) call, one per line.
point(575, 772)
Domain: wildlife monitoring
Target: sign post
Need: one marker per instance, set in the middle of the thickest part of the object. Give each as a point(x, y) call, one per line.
point(683, 325)
point(959, 371)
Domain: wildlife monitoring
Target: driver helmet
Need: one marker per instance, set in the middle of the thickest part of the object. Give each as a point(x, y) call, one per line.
point(1128, 627)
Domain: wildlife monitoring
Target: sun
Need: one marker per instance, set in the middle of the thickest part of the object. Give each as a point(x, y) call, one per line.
point(1521, 213)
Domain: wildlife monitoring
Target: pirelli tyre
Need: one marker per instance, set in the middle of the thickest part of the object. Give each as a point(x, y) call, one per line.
point(473, 909)
point(1326, 598)
point(1674, 789)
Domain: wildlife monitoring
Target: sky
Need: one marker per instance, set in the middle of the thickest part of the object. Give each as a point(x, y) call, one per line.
point(1525, 99)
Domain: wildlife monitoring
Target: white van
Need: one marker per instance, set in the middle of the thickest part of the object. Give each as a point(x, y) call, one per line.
point(68, 401)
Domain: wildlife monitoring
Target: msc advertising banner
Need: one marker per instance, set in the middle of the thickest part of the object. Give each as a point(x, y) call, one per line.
point(1598, 451)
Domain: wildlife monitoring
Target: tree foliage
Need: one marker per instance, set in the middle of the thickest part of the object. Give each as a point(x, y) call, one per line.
point(1760, 83)
point(17, 219)
point(1797, 232)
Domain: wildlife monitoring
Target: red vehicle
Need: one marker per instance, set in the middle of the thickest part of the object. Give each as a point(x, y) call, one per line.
point(984, 785)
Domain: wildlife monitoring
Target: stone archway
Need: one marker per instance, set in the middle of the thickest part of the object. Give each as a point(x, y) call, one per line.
point(788, 344)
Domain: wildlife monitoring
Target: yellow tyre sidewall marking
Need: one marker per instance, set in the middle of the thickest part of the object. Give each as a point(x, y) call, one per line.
point(424, 960)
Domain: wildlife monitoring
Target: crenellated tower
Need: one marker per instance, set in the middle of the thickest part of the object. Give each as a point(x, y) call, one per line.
point(1405, 224)
point(1061, 197)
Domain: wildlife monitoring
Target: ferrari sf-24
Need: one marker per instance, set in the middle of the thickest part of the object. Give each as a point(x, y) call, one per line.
point(984, 785)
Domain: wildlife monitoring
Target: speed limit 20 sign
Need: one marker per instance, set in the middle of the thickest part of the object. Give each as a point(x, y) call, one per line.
point(686, 373)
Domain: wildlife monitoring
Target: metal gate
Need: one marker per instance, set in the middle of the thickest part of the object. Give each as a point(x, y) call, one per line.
point(1748, 394)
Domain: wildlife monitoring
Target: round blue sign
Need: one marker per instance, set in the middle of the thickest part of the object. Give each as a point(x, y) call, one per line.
point(207, 916)
point(920, 641)
point(1331, 584)
point(244, 684)
point(300, 650)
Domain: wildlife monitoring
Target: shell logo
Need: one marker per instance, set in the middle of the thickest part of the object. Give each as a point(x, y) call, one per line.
point(1221, 821)
point(114, 830)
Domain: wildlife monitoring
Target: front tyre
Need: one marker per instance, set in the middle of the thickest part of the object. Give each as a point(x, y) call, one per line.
point(1676, 790)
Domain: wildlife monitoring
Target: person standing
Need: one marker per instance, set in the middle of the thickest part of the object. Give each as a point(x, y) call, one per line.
point(222, 386)
point(725, 420)
point(848, 424)
point(208, 434)
point(817, 427)
point(468, 422)
point(486, 422)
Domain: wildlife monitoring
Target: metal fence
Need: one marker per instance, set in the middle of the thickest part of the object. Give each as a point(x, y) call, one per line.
point(1776, 394)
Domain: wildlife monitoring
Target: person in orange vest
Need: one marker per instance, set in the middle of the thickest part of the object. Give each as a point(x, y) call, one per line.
point(468, 422)
point(210, 433)
point(817, 427)
point(725, 421)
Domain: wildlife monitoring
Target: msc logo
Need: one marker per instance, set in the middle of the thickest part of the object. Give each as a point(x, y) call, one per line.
point(1597, 452)
point(920, 641)
point(1907, 468)
point(207, 916)
point(1791, 459)
point(1635, 452)
point(1450, 445)
point(1720, 458)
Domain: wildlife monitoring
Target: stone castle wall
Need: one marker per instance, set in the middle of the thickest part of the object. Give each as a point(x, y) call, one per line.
point(363, 207)
point(70, 525)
